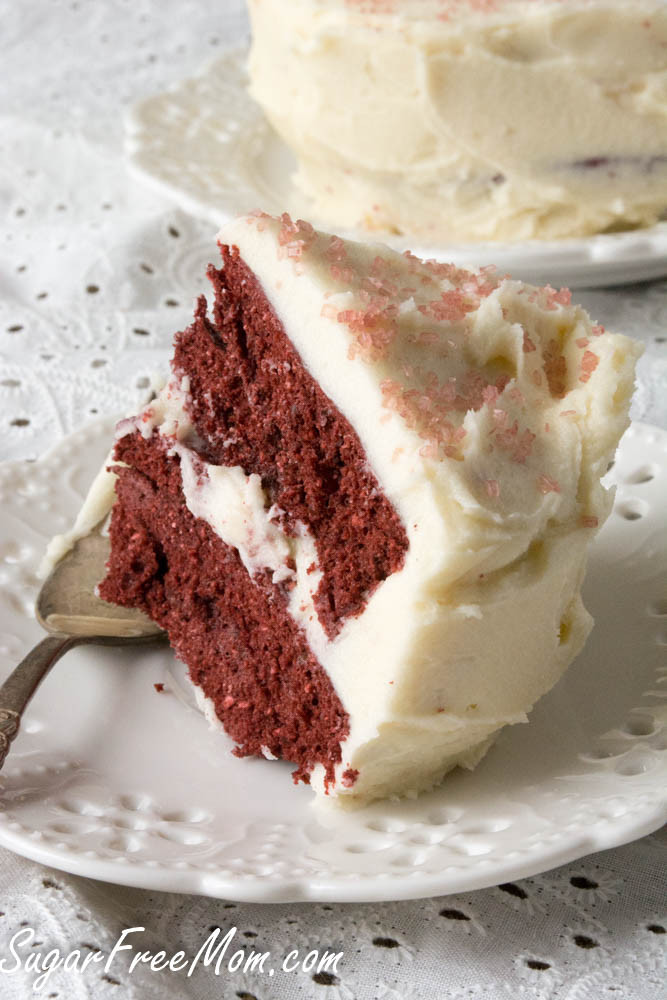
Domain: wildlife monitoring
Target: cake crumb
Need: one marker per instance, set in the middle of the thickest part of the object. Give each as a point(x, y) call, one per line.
point(349, 777)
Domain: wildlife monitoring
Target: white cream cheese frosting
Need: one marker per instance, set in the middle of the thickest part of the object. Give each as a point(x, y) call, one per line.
point(466, 120)
point(488, 411)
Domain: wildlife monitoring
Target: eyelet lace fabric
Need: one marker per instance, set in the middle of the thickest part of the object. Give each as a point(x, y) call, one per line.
point(588, 930)
point(98, 271)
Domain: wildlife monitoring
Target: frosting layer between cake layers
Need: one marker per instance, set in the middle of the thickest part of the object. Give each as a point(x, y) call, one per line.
point(455, 119)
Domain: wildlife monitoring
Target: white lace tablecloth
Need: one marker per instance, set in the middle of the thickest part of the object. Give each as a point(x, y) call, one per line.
point(97, 274)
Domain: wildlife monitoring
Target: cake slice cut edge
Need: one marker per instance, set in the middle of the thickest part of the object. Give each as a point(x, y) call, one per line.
point(362, 504)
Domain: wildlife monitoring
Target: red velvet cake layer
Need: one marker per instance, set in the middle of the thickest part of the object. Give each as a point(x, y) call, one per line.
point(235, 634)
point(255, 405)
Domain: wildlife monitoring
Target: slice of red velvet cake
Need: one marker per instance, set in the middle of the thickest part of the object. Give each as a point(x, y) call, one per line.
point(361, 505)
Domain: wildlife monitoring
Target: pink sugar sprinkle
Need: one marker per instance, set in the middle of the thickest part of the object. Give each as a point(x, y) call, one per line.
point(505, 437)
point(598, 330)
point(294, 238)
point(537, 377)
point(518, 445)
point(515, 394)
point(228, 701)
point(492, 487)
point(351, 317)
point(480, 286)
point(589, 521)
point(336, 248)
point(426, 413)
point(343, 274)
point(547, 427)
point(528, 344)
point(449, 272)
point(490, 394)
point(552, 298)
point(389, 386)
point(329, 311)
point(546, 484)
point(589, 363)
point(582, 342)
point(372, 284)
point(287, 229)
point(523, 448)
point(499, 418)
point(374, 326)
point(568, 413)
point(380, 286)
point(451, 307)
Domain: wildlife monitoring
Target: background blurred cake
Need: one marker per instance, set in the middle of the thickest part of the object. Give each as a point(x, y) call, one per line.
point(470, 119)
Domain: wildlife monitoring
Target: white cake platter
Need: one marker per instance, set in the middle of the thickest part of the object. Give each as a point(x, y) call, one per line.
point(206, 144)
point(112, 779)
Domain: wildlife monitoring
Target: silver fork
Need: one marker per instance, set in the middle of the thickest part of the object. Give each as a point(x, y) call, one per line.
point(72, 614)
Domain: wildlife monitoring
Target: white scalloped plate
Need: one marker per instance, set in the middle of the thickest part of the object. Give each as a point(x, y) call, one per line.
point(110, 779)
point(206, 144)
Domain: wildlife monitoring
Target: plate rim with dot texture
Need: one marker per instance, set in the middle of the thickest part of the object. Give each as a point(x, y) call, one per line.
point(113, 779)
point(242, 164)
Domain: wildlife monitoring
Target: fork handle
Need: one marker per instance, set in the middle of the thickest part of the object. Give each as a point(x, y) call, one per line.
point(22, 683)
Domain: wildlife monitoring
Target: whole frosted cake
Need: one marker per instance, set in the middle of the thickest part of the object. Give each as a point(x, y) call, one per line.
point(361, 505)
point(470, 119)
